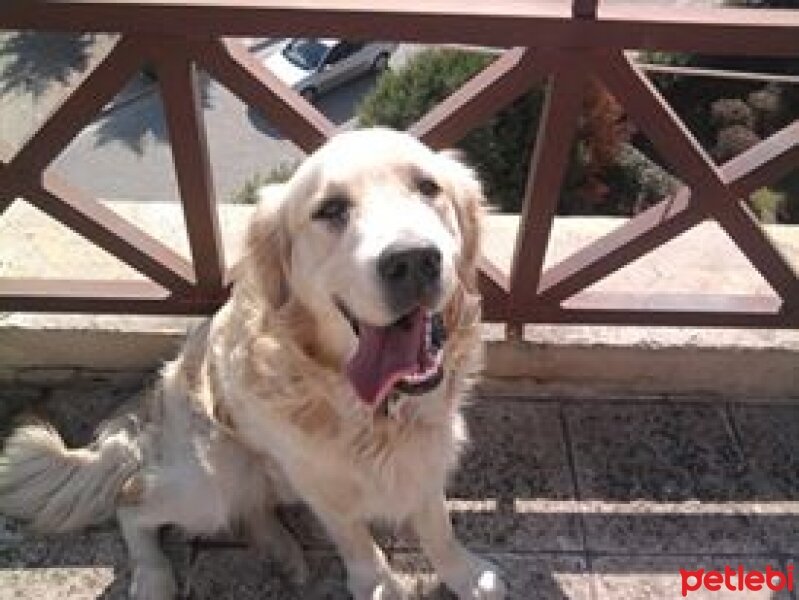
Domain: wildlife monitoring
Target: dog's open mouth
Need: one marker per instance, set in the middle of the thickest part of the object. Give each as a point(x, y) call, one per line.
point(406, 356)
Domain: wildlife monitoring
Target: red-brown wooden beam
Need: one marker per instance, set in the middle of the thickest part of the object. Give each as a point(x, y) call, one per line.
point(93, 296)
point(178, 79)
point(7, 193)
point(585, 9)
point(493, 285)
point(694, 310)
point(144, 297)
point(663, 309)
point(232, 65)
point(485, 94)
point(556, 134)
point(499, 23)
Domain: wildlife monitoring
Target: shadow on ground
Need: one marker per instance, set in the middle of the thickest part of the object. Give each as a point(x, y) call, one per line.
point(34, 61)
point(136, 116)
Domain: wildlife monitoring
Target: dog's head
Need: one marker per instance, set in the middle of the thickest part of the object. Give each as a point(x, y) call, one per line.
point(376, 238)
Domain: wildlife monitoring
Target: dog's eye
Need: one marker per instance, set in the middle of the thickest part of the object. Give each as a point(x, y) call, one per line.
point(335, 210)
point(428, 187)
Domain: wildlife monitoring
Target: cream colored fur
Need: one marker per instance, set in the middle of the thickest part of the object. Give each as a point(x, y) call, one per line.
point(255, 411)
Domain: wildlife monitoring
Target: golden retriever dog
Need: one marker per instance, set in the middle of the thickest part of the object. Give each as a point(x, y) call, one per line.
point(333, 376)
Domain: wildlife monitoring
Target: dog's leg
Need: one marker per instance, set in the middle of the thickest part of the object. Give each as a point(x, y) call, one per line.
point(151, 573)
point(267, 532)
point(369, 576)
point(465, 574)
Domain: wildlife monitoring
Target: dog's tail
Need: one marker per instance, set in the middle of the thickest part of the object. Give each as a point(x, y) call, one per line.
point(59, 489)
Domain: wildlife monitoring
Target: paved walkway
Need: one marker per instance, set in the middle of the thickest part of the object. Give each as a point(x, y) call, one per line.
point(585, 500)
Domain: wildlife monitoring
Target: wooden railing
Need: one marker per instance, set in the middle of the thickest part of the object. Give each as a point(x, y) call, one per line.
point(564, 45)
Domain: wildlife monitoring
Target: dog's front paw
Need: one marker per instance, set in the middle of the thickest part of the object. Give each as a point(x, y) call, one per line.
point(480, 581)
point(387, 587)
point(487, 585)
point(152, 583)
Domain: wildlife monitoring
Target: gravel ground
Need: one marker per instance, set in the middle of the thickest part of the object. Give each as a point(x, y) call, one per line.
point(600, 499)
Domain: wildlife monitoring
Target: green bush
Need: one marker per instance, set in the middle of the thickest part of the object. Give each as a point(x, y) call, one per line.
point(404, 95)
point(767, 204)
point(636, 182)
point(499, 149)
point(730, 116)
point(605, 175)
point(732, 111)
point(248, 194)
point(732, 141)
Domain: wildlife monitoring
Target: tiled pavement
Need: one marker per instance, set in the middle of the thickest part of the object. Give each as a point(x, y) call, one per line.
point(586, 500)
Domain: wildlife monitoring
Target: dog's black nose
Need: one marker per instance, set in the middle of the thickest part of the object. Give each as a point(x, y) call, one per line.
point(409, 271)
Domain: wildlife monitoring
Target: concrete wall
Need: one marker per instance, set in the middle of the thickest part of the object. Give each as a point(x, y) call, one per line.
point(578, 361)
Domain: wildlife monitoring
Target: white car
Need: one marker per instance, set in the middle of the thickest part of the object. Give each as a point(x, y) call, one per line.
point(313, 66)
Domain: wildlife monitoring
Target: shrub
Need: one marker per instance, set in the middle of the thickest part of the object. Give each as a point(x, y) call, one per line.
point(729, 116)
point(248, 194)
point(403, 96)
point(499, 149)
point(631, 183)
point(769, 106)
point(732, 111)
point(733, 140)
point(670, 59)
point(604, 129)
point(767, 204)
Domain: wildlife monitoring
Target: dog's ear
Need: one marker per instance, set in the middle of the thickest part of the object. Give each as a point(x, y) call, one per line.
point(468, 201)
point(267, 248)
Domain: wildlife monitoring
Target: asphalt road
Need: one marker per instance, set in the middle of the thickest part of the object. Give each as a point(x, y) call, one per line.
point(126, 154)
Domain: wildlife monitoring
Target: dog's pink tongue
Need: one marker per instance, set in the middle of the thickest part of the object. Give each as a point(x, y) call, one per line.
point(385, 354)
